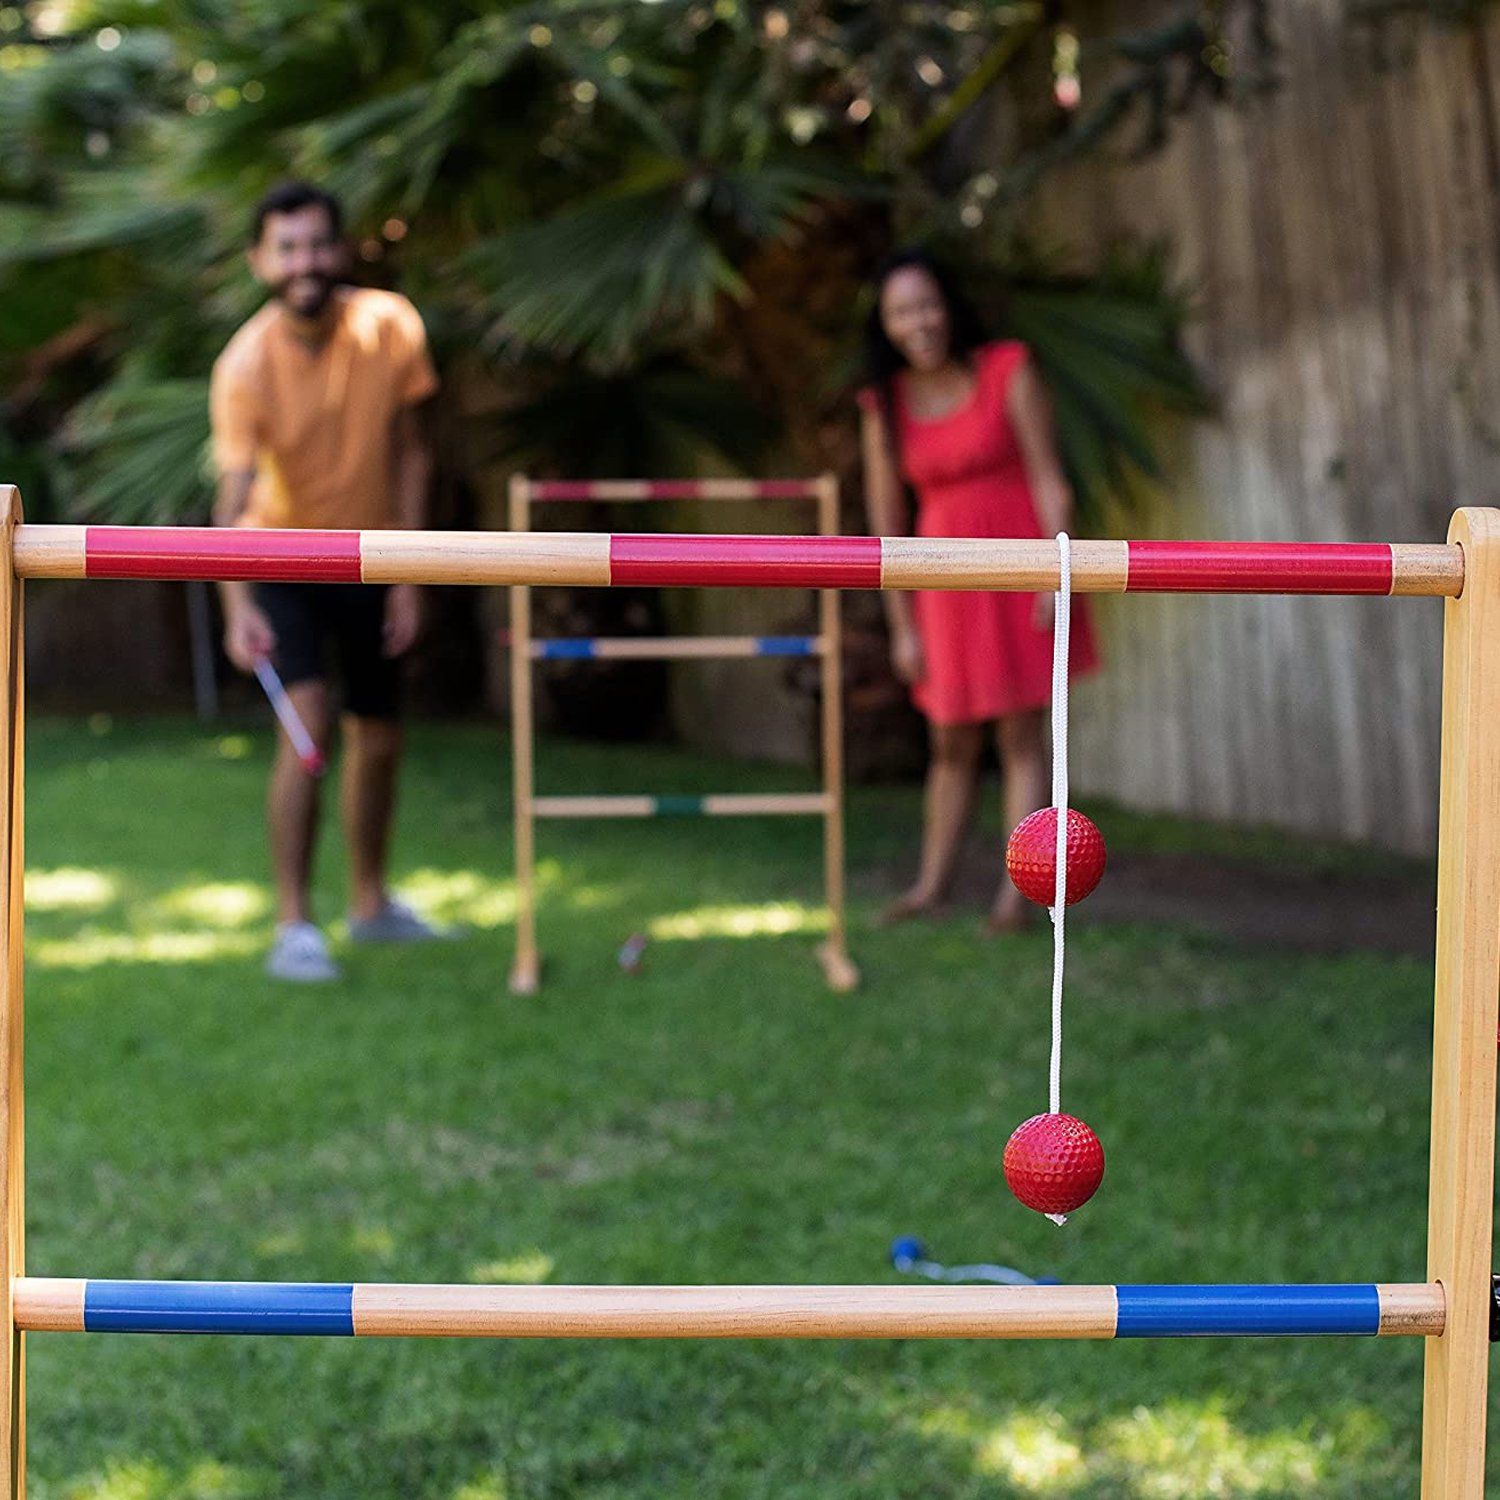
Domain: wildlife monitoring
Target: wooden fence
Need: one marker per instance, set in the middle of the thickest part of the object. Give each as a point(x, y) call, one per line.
point(1342, 237)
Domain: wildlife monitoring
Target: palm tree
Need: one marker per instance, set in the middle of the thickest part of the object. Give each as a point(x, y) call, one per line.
point(588, 195)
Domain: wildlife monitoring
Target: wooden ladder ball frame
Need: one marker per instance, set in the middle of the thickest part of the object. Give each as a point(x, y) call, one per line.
point(839, 970)
point(1451, 1310)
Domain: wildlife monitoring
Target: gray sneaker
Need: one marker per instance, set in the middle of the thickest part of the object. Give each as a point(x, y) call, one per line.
point(395, 922)
point(300, 953)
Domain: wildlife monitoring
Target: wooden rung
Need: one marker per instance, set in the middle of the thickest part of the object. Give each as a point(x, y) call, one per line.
point(673, 648)
point(673, 489)
point(794, 1312)
point(713, 805)
point(734, 561)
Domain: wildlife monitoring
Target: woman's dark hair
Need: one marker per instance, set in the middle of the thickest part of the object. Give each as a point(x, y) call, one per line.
point(883, 360)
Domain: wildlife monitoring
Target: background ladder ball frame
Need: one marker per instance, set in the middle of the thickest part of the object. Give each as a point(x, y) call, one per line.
point(839, 970)
point(1451, 1310)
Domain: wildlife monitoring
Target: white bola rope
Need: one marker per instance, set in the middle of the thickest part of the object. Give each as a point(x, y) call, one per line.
point(1061, 621)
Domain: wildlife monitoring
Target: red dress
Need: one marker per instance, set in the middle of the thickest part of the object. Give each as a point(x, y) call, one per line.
point(984, 655)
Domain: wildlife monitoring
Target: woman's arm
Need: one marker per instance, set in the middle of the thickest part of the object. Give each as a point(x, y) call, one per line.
point(885, 507)
point(1031, 415)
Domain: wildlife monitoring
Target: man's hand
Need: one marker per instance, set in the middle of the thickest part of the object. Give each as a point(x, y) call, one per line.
point(1044, 612)
point(248, 636)
point(403, 616)
point(907, 658)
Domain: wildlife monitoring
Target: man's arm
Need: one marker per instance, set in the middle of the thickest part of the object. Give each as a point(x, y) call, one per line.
point(885, 505)
point(413, 468)
point(247, 633)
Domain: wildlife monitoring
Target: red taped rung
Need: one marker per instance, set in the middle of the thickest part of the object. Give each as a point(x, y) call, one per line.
point(221, 553)
point(669, 489)
point(1260, 567)
point(824, 562)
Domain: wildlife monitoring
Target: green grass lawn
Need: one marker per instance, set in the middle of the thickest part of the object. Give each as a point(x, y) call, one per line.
point(718, 1117)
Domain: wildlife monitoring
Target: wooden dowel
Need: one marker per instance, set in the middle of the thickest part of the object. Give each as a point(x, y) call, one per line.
point(1460, 1192)
point(833, 953)
point(12, 1003)
point(911, 562)
point(525, 972)
point(519, 556)
point(594, 807)
point(737, 1312)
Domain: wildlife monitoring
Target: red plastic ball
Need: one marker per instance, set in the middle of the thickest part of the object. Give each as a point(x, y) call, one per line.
point(1031, 856)
point(1054, 1163)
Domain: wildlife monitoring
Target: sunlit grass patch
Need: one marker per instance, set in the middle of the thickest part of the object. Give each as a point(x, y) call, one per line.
point(93, 950)
point(488, 1487)
point(461, 897)
point(1035, 1451)
point(233, 747)
point(770, 919)
point(529, 1268)
point(221, 904)
point(1181, 1449)
point(70, 890)
point(143, 1479)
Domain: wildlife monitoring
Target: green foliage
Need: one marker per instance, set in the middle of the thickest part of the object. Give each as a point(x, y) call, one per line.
point(140, 450)
point(656, 417)
point(1110, 348)
point(579, 192)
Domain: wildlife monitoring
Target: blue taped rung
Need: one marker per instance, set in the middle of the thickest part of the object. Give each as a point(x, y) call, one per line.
point(219, 1307)
point(581, 649)
point(593, 648)
point(1157, 1312)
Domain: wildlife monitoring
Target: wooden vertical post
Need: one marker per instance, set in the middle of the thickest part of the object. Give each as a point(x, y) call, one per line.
point(525, 973)
point(1460, 1192)
point(838, 968)
point(12, 1130)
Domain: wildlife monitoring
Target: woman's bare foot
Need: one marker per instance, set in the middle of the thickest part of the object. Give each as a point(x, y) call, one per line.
point(1011, 913)
point(912, 905)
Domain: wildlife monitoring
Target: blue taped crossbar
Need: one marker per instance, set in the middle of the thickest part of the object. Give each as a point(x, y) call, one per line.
point(1160, 1312)
point(566, 650)
point(218, 1307)
point(1138, 1311)
point(586, 648)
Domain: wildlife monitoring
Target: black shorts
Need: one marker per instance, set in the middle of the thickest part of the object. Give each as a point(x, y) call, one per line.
point(314, 620)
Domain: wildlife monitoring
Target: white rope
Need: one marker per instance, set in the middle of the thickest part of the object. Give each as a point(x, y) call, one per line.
point(1061, 621)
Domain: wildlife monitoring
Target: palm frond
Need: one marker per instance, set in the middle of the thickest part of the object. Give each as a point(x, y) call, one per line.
point(635, 266)
point(137, 452)
point(662, 417)
point(1110, 350)
point(101, 211)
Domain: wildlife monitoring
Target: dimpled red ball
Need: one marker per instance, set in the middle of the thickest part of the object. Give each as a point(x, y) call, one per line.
point(1054, 1163)
point(1031, 856)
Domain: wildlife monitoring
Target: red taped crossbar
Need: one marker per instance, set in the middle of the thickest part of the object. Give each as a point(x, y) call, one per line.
point(1260, 567)
point(830, 562)
point(667, 489)
point(221, 553)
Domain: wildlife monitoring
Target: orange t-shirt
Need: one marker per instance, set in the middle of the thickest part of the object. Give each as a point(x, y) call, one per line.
point(316, 423)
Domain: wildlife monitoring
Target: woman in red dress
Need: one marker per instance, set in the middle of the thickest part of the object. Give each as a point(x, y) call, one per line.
point(968, 426)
